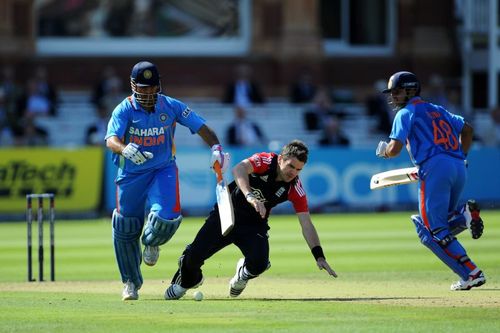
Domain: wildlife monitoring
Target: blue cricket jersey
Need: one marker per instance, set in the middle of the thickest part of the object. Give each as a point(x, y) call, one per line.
point(154, 131)
point(428, 130)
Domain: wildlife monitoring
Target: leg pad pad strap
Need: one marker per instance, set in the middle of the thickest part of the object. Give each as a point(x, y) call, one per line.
point(158, 231)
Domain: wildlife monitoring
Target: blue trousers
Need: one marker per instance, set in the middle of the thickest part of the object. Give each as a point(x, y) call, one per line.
point(158, 189)
point(442, 180)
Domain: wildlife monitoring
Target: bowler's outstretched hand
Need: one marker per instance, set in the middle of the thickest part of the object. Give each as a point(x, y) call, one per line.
point(323, 264)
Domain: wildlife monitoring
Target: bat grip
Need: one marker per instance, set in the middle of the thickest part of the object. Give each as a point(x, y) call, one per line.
point(218, 171)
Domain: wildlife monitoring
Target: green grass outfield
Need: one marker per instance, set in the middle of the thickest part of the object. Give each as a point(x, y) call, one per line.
point(388, 282)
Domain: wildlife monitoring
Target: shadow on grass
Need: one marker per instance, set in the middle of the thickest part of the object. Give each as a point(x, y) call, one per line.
point(338, 299)
point(312, 299)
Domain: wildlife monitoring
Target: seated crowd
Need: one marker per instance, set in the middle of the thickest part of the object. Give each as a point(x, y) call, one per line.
point(22, 104)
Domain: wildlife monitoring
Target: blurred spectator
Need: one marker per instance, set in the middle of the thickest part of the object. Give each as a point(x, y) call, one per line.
point(113, 96)
point(303, 89)
point(109, 18)
point(490, 134)
point(243, 91)
point(495, 115)
point(96, 132)
point(108, 82)
point(13, 109)
point(321, 108)
point(32, 134)
point(10, 129)
point(376, 106)
point(5, 130)
point(243, 132)
point(118, 17)
point(332, 133)
point(343, 95)
point(436, 91)
point(455, 103)
point(35, 103)
point(97, 19)
point(142, 22)
point(46, 89)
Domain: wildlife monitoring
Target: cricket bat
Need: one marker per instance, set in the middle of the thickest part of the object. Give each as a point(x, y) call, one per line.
point(224, 203)
point(394, 177)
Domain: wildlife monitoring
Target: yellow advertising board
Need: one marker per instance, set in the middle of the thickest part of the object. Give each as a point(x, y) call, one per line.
point(73, 175)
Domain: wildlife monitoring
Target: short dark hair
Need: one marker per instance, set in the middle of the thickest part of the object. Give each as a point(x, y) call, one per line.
point(297, 149)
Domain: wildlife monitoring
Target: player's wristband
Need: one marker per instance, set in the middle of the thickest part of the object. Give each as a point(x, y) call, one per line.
point(317, 252)
point(249, 196)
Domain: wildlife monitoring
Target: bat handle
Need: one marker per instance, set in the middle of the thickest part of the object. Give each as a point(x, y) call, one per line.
point(218, 171)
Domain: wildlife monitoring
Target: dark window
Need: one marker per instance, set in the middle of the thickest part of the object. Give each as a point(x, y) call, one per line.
point(367, 22)
point(330, 15)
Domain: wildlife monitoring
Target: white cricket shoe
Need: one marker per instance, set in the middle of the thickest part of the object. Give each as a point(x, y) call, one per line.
point(130, 292)
point(475, 280)
point(175, 291)
point(151, 255)
point(238, 283)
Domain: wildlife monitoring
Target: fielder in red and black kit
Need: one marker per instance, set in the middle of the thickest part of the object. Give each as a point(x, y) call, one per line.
point(261, 182)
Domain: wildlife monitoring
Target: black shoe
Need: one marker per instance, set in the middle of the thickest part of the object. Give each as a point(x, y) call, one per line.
point(476, 224)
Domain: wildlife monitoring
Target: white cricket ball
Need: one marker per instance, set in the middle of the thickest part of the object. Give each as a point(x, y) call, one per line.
point(198, 295)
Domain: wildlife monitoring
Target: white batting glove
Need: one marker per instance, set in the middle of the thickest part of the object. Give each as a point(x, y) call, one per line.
point(134, 153)
point(380, 152)
point(219, 156)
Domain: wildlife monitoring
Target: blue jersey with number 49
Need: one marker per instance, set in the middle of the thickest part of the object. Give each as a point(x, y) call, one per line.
point(153, 131)
point(428, 130)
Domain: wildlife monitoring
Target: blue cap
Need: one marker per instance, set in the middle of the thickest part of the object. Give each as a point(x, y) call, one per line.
point(144, 74)
point(402, 80)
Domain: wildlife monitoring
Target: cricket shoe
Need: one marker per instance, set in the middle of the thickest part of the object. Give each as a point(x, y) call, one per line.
point(151, 255)
point(474, 280)
point(176, 291)
point(475, 224)
point(130, 292)
point(238, 282)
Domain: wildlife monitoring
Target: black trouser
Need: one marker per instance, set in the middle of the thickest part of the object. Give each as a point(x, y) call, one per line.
point(252, 240)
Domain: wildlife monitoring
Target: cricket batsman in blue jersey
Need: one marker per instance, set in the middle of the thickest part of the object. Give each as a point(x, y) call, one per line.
point(438, 142)
point(141, 136)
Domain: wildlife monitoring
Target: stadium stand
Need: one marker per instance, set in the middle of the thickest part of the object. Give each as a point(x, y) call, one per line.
point(74, 115)
point(280, 121)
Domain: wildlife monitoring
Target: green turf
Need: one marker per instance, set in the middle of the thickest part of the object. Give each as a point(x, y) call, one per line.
point(387, 282)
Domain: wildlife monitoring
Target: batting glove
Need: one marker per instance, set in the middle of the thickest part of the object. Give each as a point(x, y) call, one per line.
point(134, 153)
point(380, 152)
point(219, 156)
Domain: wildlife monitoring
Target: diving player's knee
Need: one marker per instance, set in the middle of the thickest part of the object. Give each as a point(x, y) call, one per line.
point(192, 258)
point(158, 230)
point(126, 229)
point(257, 267)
